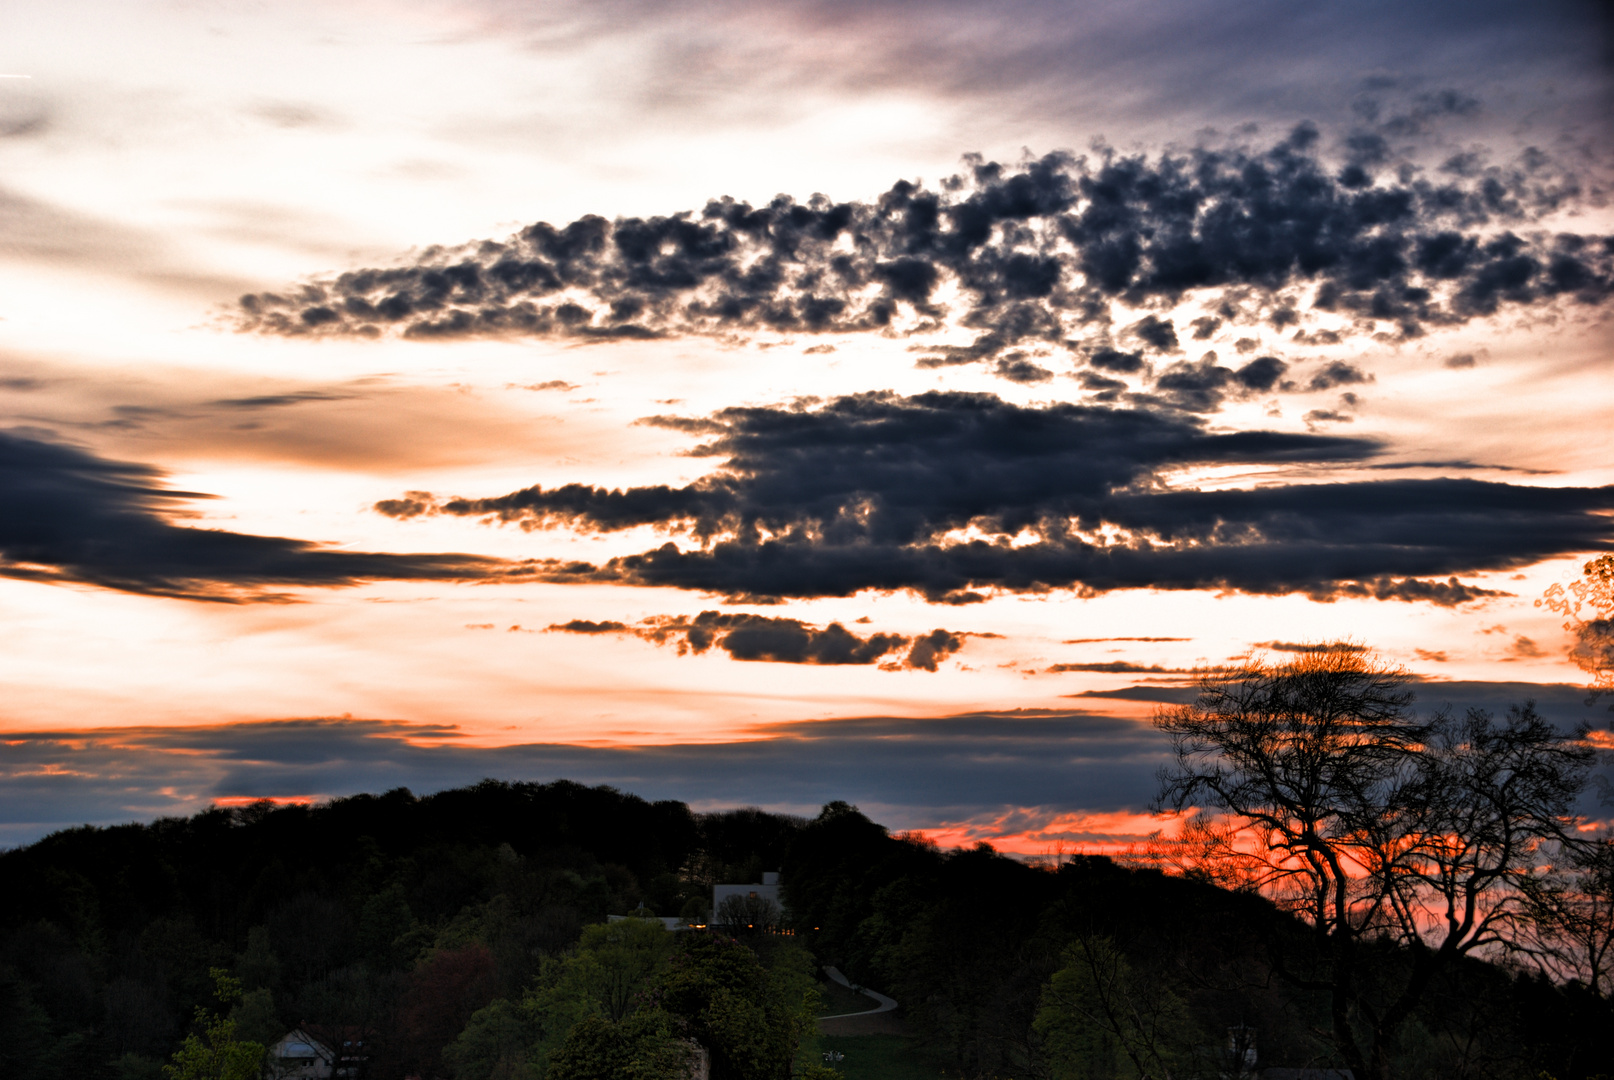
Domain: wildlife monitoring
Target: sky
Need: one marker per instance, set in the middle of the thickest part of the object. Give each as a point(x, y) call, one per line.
point(765, 403)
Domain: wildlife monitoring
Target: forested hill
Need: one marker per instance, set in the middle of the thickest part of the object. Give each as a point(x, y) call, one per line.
point(445, 929)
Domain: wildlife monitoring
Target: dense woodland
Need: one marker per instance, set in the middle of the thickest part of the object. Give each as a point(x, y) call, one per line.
point(463, 936)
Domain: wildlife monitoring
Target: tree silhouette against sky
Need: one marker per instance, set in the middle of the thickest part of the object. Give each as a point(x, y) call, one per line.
point(1315, 782)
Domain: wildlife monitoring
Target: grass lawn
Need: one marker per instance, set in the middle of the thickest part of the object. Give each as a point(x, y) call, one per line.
point(878, 1057)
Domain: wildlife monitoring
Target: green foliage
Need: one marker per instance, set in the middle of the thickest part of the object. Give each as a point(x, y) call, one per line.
point(752, 1018)
point(257, 966)
point(256, 1019)
point(384, 925)
point(616, 959)
point(601, 978)
point(105, 955)
point(1102, 1021)
point(816, 1071)
point(216, 1053)
point(639, 1047)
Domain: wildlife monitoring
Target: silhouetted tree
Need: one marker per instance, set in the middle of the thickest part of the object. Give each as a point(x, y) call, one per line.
point(1376, 827)
point(742, 915)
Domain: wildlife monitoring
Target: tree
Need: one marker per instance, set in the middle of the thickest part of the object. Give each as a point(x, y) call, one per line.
point(445, 990)
point(743, 915)
point(1588, 609)
point(751, 1018)
point(216, 1054)
point(1326, 792)
point(603, 979)
point(1574, 910)
point(619, 958)
point(639, 1047)
point(1101, 1019)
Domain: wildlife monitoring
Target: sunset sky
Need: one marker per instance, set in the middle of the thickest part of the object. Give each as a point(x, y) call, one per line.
point(765, 403)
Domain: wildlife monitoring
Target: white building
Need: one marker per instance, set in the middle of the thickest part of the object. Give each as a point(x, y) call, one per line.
point(297, 1055)
point(762, 896)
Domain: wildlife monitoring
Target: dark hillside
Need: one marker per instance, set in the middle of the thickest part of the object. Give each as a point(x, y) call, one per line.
point(463, 935)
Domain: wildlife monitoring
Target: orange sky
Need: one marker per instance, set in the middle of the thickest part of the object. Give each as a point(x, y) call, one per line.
point(161, 159)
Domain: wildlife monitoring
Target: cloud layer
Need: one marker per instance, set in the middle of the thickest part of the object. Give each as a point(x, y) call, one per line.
point(912, 771)
point(946, 494)
point(71, 516)
point(1050, 255)
point(745, 636)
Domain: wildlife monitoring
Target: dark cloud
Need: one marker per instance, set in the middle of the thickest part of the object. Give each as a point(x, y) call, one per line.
point(1326, 416)
point(1261, 374)
point(1159, 333)
point(70, 516)
point(1337, 373)
point(272, 401)
point(586, 626)
point(1160, 695)
point(780, 640)
point(1124, 363)
point(1039, 254)
point(926, 769)
point(1118, 667)
point(863, 491)
point(917, 771)
point(1201, 385)
point(1312, 646)
point(1020, 370)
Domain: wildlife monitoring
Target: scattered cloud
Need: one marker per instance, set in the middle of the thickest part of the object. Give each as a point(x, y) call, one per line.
point(1337, 373)
point(780, 640)
point(1524, 648)
point(1040, 254)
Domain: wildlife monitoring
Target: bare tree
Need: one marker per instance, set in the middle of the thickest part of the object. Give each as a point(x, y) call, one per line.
point(1326, 791)
point(747, 914)
point(1573, 910)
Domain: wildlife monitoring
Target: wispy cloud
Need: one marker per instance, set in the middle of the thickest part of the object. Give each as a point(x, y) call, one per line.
point(75, 517)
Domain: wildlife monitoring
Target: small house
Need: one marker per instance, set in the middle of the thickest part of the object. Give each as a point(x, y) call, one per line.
point(297, 1055)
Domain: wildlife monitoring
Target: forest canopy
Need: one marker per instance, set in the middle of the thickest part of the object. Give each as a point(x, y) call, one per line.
point(465, 935)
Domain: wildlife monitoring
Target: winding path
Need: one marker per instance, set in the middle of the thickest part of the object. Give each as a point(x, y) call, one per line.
point(885, 1004)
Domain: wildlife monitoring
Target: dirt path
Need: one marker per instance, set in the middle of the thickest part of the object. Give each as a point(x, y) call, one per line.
point(876, 1021)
